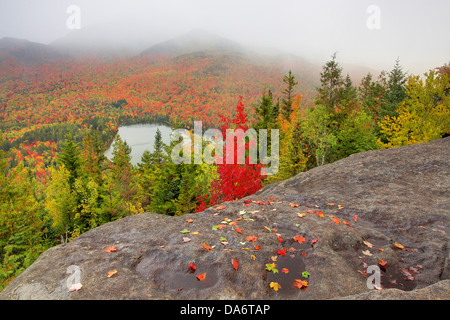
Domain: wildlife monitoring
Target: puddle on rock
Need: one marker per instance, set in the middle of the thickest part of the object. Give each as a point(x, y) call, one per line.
point(185, 280)
point(294, 263)
point(394, 278)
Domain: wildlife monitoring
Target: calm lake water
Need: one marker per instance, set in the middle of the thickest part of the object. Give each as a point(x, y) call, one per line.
point(141, 137)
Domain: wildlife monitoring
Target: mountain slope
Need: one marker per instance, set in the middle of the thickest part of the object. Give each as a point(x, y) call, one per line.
point(194, 41)
point(27, 51)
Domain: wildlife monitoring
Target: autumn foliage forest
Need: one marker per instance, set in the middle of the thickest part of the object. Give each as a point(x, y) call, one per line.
point(57, 119)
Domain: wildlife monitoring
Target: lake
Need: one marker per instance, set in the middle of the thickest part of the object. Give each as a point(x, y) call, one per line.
point(140, 137)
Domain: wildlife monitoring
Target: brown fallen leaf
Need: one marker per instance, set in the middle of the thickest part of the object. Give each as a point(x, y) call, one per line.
point(367, 243)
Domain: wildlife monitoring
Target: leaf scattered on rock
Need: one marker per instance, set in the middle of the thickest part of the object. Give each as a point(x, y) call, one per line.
point(235, 264)
point(111, 249)
point(111, 273)
point(275, 286)
point(201, 276)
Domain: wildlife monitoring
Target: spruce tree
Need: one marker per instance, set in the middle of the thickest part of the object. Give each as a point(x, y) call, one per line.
point(286, 103)
point(70, 157)
point(329, 93)
point(396, 91)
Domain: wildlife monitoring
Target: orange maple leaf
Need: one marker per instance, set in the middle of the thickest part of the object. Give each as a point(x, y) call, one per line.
point(299, 239)
point(301, 284)
point(239, 230)
point(320, 214)
point(111, 249)
point(204, 245)
point(220, 207)
point(251, 238)
point(335, 220)
point(201, 276)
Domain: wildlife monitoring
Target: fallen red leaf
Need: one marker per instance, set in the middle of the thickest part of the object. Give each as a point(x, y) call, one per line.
point(346, 223)
point(271, 198)
point(235, 264)
point(355, 217)
point(280, 239)
point(257, 247)
point(320, 214)
point(282, 252)
point(314, 240)
point(239, 230)
point(251, 238)
point(192, 267)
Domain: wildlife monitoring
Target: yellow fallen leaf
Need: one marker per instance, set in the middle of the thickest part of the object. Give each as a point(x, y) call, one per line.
point(301, 215)
point(111, 273)
point(366, 252)
point(194, 233)
point(252, 257)
point(398, 245)
point(275, 286)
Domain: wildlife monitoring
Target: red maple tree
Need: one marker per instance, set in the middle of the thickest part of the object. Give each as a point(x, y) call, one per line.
point(235, 180)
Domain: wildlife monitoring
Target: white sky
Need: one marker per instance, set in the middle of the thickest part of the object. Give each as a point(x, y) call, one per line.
point(415, 31)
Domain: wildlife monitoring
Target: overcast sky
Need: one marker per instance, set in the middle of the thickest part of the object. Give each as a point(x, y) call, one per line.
point(415, 31)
